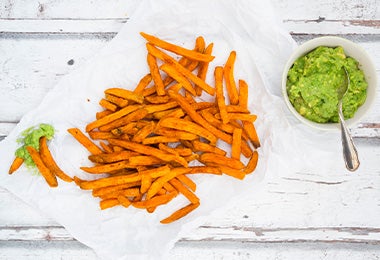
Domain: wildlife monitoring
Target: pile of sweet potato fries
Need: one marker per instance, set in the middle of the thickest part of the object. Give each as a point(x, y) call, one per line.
point(149, 141)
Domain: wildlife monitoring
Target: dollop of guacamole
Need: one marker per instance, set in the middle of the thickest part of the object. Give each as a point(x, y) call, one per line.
point(313, 81)
point(31, 137)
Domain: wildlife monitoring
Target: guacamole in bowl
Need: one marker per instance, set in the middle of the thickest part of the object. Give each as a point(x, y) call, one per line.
point(313, 81)
point(313, 74)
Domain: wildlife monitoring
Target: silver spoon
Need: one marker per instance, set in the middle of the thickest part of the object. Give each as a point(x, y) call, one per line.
point(350, 153)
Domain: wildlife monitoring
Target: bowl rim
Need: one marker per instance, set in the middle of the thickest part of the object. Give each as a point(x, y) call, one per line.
point(333, 41)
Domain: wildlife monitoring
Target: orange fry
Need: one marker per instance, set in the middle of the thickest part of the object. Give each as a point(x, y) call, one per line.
point(221, 160)
point(180, 213)
point(243, 94)
point(45, 172)
point(230, 80)
point(49, 161)
point(126, 94)
point(84, 140)
point(218, 74)
point(144, 82)
point(173, 73)
point(152, 63)
point(107, 168)
point(17, 162)
point(252, 163)
point(107, 105)
point(185, 191)
point(193, 55)
point(236, 144)
point(120, 102)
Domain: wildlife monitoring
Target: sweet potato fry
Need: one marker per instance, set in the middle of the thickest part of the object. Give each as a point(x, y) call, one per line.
point(124, 201)
point(111, 117)
point(252, 163)
point(160, 139)
point(84, 140)
point(50, 178)
point(236, 144)
point(243, 94)
point(188, 182)
point(112, 157)
point(183, 125)
point(144, 132)
point(182, 135)
point(109, 203)
point(230, 80)
point(144, 82)
point(156, 76)
point(133, 116)
point(158, 99)
point(49, 161)
point(103, 114)
point(193, 55)
point(221, 160)
point(243, 117)
point(145, 160)
point(147, 150)
point(185, 191)
point(107, 168)
point(107, 105)
point(96, 135)
point(205, 169)
point(118, 101)
point(204, 147)
point(218, 74)
point(203, 68)
point(180, 213)
point(17, 162)
point(126, 94)
point(250, 129)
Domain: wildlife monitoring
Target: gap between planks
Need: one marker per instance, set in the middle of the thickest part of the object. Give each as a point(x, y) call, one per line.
point(366, 235)
point(113, 25)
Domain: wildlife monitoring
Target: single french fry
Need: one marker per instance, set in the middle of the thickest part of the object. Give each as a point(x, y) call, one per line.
point(230, 80)
point(188, 182)
point(96, 135)
point(112, 157)
point(147, 150)
point(144, 132)
point(185, 191)
point(133, 116)
point(193, 55)
point(126, 94)
point(204, 147)
point(143, 83)
point(238, 174)
point(111, 117)
point(124, 201)
point(103, 113)
point(236, 144)
point(250, 129)
point(17, 162)
point(155, 201)
point(107, 105)
point(176, 112)
point(180, 213)
point(145, 160)
point(205, 169)
point(218, 74)
point(243, 117)
point(182, 135)
point(236, 109)
point(252, 163)
point(148, 91)
point(156, 76)
point(161, 107)
point(118, 101)
point(103, 191)
point(129, 192)
point(203, 68)
point(109, 203)
point(49, 161)
point(221, 160)
point(84, 140)
point(50, 178)
point(109, 181)
point(184, 125)
point(159, 139)
point(243, 94)
point(107, 168)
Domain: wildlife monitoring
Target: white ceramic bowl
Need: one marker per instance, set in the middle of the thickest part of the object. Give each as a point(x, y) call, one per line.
point(351, 49)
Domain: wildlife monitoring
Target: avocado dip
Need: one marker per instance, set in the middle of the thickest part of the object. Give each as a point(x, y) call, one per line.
point(313, 81)
point(31, 137)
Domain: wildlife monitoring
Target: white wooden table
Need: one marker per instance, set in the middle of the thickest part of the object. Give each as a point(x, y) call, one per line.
point(306, 215)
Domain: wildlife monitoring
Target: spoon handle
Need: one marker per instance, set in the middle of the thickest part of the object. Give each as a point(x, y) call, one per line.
point(350, 153)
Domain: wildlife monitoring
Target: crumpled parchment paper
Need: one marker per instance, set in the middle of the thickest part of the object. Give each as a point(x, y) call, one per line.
point(250, 27)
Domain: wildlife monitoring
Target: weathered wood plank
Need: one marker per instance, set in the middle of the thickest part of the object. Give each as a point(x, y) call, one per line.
point(312, 10)
point(113, 25)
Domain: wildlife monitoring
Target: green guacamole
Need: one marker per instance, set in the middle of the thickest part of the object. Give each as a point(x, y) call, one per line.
point(31, 137)
point(313, 81)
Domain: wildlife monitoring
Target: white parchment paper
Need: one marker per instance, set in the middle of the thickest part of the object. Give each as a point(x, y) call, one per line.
point(248, 26)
